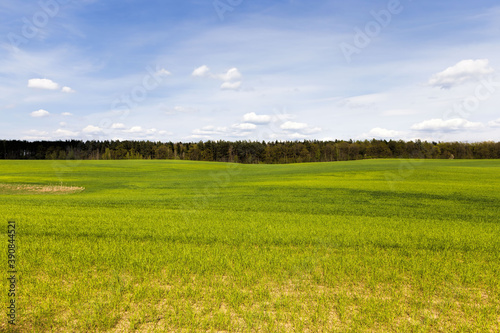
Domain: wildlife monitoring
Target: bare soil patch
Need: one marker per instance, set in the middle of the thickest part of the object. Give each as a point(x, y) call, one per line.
point(38, 189)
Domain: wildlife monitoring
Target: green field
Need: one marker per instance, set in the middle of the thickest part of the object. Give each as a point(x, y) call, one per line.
point(177, 246)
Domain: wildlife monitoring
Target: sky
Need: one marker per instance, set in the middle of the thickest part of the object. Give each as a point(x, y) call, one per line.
point(198, 70)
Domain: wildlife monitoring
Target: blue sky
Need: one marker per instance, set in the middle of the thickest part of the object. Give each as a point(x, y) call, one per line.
point(249, 70)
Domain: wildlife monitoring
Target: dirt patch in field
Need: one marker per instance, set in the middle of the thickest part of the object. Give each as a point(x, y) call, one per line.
point(38, 189)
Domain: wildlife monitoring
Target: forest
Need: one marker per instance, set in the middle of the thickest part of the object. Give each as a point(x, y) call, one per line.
point(249, 152)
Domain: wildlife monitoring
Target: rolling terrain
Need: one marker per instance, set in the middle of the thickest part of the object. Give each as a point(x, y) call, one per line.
point(181, 246)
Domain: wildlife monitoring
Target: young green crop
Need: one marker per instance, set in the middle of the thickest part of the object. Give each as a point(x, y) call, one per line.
point(178, 246)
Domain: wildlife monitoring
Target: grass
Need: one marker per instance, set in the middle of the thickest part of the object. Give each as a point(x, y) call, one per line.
point(178, 246)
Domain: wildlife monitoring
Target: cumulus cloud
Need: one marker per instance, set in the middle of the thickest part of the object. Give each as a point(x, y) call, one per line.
point(117, 126)
point(67, 90)
point(382, 133)
point(91, 129)
point(253, 118)
point(288, 136)
point(64, 133)
point(295, 130)
point(43, 84)
point(464, 71)
point(298, 136)
point(66, 114)
point(139, 131)
point(202, 71)
point(40, 113)
point(48, 85)
point(231, 75)
point(135, 129)
point(232, 78)
point(449, 125)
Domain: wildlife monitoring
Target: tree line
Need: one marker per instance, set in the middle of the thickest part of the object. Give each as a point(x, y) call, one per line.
point(273, 152)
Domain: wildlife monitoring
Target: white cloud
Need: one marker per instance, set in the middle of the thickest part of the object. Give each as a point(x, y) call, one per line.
point(43, 84)
point(91, 129)
point(236, 130)
point(253, 118)
point(202, 71)
point(382, 133)
point(465, 70)
point(163, 72)
point(232, 78)
point(117, 126)
point(494, 123)
point(40, 113)
point(295, 130)
point(66, 114)
point(245, 126)
point(297, 136)
point(135, 129)
point(288, 136)
point(151, 131)
point(64, 133)
point(138, 132)
point(198, 137)
point(232, 75)
point(231, 85)
point(135, 132)
point(67, 90)
point(48, 85)
point(446, 125)
point(290, 125)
